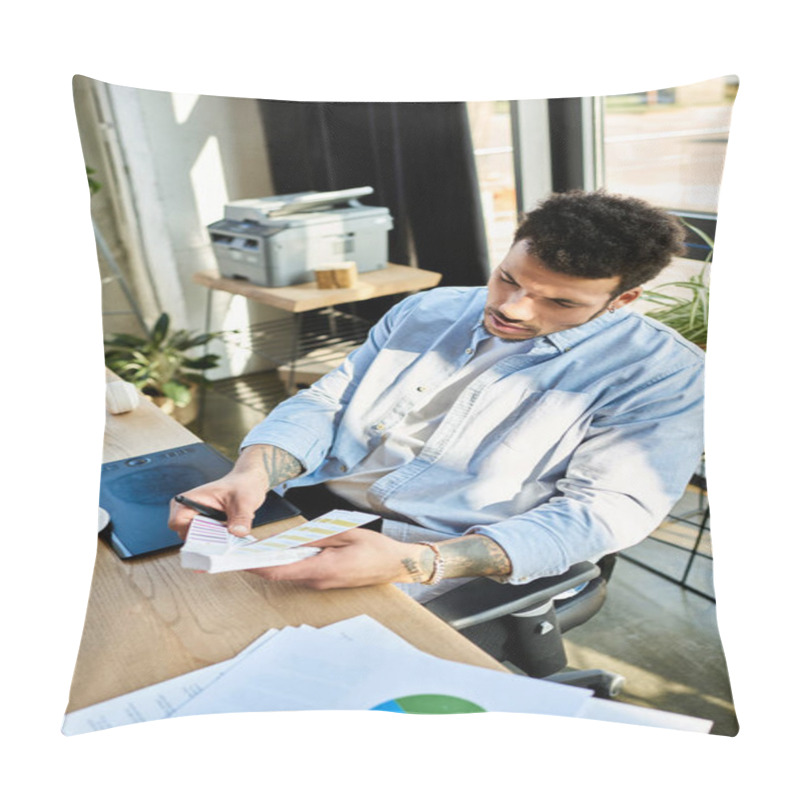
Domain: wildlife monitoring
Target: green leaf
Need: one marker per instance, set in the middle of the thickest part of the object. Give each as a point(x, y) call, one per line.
point(662, 299)
point(683, 285)
point(179, 341)
point(203, 338)
point(179, 393)
point(94, 185)
point(160, 329)
point(704, 236)
point(125, 340)
point(204, 362)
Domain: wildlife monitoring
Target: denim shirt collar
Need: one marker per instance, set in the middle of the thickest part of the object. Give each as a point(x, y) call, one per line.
point(566, 340)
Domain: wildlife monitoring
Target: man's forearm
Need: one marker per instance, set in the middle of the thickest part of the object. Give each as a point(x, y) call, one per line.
point(474, 556)
point(465, 557)
point(272, 463)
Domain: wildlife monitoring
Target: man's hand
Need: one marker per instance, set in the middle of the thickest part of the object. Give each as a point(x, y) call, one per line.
point(241, 492)
point(358, 557)
point(238, 496)
point(362, 557)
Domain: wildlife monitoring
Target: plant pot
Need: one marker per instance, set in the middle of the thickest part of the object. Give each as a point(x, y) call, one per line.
point(184, 414)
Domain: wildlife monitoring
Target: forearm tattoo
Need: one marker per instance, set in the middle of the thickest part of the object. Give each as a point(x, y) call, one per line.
point(413, 568)
point(280, 465)
point(420, 566)
point(473, 556)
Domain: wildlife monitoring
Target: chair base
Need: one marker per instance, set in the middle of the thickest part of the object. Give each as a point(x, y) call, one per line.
point(604, 684)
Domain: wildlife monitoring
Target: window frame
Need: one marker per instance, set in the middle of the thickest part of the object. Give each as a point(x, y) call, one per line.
point(570, 133)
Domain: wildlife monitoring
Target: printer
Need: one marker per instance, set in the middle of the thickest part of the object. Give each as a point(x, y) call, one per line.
point(278, 241)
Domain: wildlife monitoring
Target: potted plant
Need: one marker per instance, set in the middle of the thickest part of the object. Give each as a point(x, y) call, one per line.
point(687, 310)
point(159, 365)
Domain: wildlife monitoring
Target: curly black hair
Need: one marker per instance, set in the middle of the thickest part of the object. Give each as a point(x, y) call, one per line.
point(602, 235)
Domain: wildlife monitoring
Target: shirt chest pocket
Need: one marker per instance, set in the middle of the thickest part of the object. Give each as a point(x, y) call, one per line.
point(545, 420)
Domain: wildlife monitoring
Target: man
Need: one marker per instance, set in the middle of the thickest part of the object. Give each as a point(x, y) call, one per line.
point(509, 430)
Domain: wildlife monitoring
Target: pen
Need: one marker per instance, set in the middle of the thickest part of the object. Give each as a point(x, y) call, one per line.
point(213, 513)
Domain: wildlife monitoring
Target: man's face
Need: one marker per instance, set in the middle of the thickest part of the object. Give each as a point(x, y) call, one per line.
point(526, 299)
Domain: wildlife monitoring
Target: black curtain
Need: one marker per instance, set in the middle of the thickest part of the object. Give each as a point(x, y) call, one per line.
point(566, 143)
point(418, 157)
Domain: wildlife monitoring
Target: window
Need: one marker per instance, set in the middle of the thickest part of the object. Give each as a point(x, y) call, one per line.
point(490, 125)
point(668, 146)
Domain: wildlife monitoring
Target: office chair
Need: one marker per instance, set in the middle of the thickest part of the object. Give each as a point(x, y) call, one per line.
point(523, 625)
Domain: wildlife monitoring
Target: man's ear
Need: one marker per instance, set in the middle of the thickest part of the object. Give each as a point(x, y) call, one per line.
point(625, 298)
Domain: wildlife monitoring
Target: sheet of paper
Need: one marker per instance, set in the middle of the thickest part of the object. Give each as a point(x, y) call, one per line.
point(612, 711)
point(207, 537)
point(329, 524)
point(373, 666)
point(213, 536)
point(355, 664)
point(363, 665)
point(277, 678)
point(153, 702)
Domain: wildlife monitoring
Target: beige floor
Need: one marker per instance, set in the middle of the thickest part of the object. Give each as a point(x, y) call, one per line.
point(664, 640)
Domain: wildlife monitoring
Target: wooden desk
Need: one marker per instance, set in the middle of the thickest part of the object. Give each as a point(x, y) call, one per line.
point(394, 279)
point(149, 619)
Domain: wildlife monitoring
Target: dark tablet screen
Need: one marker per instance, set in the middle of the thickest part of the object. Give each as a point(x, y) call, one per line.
point(136, 493)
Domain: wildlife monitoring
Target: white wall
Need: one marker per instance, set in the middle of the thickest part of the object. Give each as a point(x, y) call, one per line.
point(109, 211)
point(203, 151)
point(171, 162)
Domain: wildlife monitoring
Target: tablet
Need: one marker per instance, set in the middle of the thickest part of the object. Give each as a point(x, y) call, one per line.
point(136, 493)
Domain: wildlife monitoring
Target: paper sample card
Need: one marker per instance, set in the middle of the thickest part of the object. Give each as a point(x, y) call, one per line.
point(211, 548)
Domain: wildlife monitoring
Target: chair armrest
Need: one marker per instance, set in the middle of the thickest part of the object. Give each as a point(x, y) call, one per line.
point(483, 599)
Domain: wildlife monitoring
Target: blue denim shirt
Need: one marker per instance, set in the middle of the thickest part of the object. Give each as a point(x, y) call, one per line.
point(576, 448)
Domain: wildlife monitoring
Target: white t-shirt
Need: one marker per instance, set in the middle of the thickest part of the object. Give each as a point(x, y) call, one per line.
point(404, 441)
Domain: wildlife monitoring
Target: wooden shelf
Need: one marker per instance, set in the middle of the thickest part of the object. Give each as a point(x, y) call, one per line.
point(394, 279)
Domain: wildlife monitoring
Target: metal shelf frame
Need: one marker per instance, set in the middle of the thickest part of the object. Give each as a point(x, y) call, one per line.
point(703, 528)
point(301, 340)
point(314, 337)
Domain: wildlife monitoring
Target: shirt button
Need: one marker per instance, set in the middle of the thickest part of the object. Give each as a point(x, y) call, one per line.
point(380, 426)
point(422, 388)
point(342, 469)
point(469, 351)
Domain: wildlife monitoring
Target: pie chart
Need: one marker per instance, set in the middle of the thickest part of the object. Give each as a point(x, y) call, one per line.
point(429, 704)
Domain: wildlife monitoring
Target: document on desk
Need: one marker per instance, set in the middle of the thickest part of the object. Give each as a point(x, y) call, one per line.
point(152, 702)
point(611, 711)
point(358, 664)
point(210, 548)
point(312, 669)
point(355, 664)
